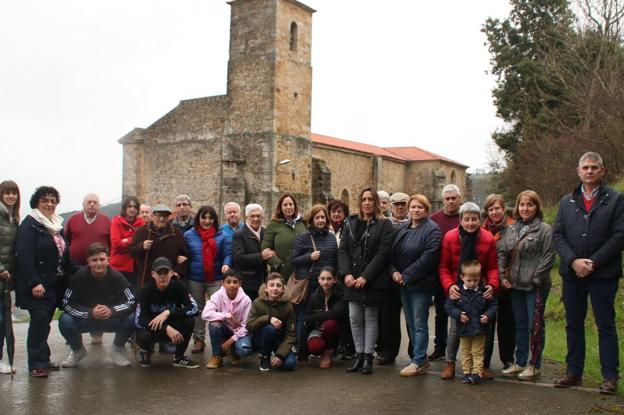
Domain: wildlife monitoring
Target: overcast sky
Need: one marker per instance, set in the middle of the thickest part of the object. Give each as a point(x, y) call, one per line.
point(75, 76)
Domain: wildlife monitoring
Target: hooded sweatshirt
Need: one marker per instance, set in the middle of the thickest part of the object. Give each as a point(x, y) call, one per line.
point(221, 308)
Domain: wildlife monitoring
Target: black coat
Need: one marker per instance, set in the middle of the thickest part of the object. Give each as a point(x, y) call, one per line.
point(474, 305)
point(367, 257)
point(597, 235)
point(37, 261)
point(416, 254)
point(247, 260)
point(325, 242)
point(315, 314)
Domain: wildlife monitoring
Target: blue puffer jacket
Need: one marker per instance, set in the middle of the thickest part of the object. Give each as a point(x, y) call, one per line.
point(474, 305)
point(224, 255)
point(325, 242)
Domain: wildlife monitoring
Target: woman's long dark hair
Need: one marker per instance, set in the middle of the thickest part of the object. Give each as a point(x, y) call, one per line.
point(211, 211)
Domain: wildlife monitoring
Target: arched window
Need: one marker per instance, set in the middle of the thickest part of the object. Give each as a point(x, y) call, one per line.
point(294, 34)
point(453, 177)
point(344, 196)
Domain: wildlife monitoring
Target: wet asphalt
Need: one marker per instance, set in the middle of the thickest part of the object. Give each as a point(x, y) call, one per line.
point(97, 387)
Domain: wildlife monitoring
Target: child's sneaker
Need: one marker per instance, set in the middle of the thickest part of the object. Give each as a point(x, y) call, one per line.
point(145, 358)
point(74, 357)
point(474, 379)
point(466, 379)
point(265, 363)
point(185, 362)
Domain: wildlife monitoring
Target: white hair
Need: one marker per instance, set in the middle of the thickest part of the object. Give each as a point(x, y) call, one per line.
point(383, 194)
point(251, 207)
point(451, 188)
point(469, 207)
point(231, 204)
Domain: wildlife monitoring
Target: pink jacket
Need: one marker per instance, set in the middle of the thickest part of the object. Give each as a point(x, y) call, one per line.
point(221, 308)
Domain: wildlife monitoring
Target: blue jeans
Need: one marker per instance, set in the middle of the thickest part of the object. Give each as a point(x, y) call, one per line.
point(72, 328)
point(267, 339)
point(416, 310)
point(528, 311)
point(602, 292)
point(219, 333)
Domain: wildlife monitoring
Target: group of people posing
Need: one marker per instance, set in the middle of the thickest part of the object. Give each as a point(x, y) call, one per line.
point(331, 283)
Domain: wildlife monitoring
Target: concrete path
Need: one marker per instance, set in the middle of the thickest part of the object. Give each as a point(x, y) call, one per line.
point(98, 388)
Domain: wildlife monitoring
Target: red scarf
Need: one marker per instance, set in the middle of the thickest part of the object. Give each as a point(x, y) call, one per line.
point(209, 250)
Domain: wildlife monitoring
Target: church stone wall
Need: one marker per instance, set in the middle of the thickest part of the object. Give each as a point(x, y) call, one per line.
point(392, 176)
point(350, 171)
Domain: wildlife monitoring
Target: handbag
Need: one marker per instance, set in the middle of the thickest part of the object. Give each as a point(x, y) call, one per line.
point(299, 288)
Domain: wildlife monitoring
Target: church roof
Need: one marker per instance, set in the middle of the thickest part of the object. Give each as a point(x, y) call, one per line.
point(399, 153)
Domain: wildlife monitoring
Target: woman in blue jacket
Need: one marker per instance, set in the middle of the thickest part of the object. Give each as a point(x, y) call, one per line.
point(211, 256)
point(414, 266)
point(313, 250)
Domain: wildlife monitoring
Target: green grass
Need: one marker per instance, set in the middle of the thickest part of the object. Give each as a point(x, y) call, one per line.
point(556, 347)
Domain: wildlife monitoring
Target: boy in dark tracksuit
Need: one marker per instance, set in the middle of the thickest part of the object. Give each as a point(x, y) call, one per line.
point(473, 313)
point(165, 311)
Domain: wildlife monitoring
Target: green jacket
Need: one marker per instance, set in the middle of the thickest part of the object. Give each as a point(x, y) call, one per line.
point(262, 309)
point(8, 229)
point(280, 237)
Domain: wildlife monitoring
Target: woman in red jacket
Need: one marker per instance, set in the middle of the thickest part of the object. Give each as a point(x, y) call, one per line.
point(123, 227)
point(467, 241)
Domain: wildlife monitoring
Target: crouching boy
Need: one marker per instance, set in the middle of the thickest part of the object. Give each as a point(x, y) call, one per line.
point(166, 310)
point(272, 325)
point(473, 313)
point(226, 313)
point(99, 299)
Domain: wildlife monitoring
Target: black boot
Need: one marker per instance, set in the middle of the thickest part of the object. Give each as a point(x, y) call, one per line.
point(357, 364)
point(367, 367)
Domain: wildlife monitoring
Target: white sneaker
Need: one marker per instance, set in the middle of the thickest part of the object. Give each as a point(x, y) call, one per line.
point(118, 357)
point(5, 368)
point(513, 370)
point(530, 373)
point(74, 358)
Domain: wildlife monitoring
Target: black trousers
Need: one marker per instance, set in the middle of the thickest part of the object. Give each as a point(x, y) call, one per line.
point(505, 328)
point(389, 335)
point(146, 338)
point(37, 341)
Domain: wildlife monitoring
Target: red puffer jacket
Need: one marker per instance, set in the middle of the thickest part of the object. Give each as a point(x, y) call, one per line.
point(449, 258)
point(121, 234)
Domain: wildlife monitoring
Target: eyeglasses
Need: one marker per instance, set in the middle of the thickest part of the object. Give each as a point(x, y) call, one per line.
point(48, 200)
point(182, 204)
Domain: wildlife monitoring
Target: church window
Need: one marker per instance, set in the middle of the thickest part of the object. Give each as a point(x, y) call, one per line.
point(294, 33)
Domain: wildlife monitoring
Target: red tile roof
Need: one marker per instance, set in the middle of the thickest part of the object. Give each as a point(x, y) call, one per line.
point(399, 153)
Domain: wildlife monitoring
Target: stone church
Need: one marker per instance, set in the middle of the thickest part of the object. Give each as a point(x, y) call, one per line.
point(254, 143)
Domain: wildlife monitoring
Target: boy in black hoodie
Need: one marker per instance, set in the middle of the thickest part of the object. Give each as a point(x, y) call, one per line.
point(165, 311)
point(473, 313)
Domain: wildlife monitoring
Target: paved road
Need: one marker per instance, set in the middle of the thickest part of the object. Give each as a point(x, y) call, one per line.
point(98, 388)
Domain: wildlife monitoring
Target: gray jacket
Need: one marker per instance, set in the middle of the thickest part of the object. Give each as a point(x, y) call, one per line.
point(534, 258)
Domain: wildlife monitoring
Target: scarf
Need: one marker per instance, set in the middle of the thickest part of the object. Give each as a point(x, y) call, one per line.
point(495, 228)
point(468, 247)
point(209, 251)
point(54, 225)
point(256, 234)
